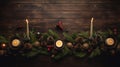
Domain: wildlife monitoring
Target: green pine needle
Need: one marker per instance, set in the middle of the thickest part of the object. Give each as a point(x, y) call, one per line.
point(68, 37)
point(32, 37)
point(53, 33)
point(32, 53)
point(43, 51)
point(64, 53)
point(80, 54)
point(95, 53)
point(3, 39)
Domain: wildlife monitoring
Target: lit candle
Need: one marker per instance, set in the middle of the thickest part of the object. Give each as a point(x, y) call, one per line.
point(16, 42)
point(91, 27)
point(59, 43)
point(110, 41)
point(27, 32)
point(3, 45)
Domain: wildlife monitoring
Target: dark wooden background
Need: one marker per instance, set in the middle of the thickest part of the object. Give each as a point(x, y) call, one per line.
point(44, 15)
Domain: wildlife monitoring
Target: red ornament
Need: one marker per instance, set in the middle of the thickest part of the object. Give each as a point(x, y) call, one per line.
point(60, 26)
point(49, 48)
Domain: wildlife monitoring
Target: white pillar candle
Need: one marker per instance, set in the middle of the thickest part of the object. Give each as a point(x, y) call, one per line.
point(91, 27)
point(27, 30)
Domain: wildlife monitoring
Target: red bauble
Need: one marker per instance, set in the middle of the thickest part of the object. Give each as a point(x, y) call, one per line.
point(49, 48)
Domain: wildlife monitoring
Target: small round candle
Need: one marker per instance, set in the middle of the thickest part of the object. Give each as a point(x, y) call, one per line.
point(15, 42)
point(110, 41)
point(59, 43)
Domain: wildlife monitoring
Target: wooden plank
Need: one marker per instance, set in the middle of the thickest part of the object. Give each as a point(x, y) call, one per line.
point(44, 14)
point(63, 1)
point(57, 16)
point(53, 7)
point(80, 21)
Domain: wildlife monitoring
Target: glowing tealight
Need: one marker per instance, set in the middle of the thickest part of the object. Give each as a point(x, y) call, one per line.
point(15, 42)
point(110, 41)
point(59, 43)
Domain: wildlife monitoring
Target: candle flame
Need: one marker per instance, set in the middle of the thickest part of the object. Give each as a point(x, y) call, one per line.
point(92, 19)
point(26, 20)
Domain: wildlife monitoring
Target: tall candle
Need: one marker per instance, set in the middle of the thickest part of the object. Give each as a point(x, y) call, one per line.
point(27, 30)
point(91, 27)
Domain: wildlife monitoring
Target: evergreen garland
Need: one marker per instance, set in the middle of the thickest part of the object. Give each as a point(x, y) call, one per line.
point(76, 46)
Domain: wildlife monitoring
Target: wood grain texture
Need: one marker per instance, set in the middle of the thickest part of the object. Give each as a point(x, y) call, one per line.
point(44, 14)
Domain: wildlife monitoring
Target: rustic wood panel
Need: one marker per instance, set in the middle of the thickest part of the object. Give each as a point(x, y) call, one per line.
point(44, 14)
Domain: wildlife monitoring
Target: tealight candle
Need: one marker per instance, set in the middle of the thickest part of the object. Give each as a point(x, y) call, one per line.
point(110, 41)
point(15, 42)
point(59, 43)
